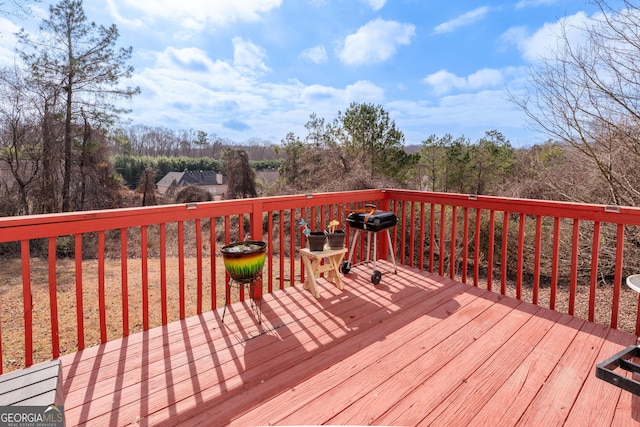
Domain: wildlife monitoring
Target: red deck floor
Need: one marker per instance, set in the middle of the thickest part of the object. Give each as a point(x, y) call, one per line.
point(416, 350)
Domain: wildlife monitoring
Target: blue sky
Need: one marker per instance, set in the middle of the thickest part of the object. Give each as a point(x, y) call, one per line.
point(247, 69)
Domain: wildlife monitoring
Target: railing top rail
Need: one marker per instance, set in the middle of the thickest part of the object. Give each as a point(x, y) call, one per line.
point(60, 224)
point(41, 226)
point(582, 211)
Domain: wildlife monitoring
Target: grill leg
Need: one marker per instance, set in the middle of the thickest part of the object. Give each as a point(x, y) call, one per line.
point(375, 247)
point(393, 256)
point(353, 245)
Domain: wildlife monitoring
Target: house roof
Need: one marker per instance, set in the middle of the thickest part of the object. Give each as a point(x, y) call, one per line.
point(193, 178)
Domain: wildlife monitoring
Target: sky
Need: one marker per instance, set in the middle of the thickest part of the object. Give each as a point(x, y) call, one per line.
point(248, 70)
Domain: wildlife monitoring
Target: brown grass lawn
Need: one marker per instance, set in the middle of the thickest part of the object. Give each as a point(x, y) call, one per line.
point(12, 317)
point(604, 296)
point(11, 301)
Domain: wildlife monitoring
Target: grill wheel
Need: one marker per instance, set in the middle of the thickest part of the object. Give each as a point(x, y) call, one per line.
point(376, 276)
point(345, 267)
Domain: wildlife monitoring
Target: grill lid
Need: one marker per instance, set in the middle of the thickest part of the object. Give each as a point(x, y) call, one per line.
point(375, 220)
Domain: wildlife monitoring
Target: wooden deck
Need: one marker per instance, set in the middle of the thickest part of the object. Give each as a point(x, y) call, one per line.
point(415, 350)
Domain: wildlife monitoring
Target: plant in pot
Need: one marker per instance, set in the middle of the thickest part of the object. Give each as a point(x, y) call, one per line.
point(335, 236)
point(315, 239)
point(244, 260)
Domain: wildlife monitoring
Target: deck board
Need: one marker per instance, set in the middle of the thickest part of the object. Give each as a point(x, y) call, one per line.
point(514, 396)
point(297, 364)
point(429, 394)
point(418, 349)
point(594, 390)
point(354, 376)
point(470, 396)
point(397, 389)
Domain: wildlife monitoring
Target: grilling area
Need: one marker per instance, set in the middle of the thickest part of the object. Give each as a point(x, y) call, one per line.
point(431, 343)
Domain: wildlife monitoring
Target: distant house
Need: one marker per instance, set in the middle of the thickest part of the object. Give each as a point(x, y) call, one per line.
point(214, 182)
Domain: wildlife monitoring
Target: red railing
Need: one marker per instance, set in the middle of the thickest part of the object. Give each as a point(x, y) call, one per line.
point(562, 243)
point(127, 270)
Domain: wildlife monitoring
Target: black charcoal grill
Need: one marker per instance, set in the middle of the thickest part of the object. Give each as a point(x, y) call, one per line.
point(372, 221)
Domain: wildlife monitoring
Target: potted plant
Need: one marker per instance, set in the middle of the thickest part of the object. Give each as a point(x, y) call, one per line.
point(315, 239)
point(335, 237)
point(244, 260)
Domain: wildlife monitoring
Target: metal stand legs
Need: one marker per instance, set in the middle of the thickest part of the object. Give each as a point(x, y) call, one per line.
point(251, 285)
point(376, 276)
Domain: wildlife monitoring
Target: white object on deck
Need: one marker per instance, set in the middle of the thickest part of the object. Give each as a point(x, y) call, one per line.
point(37, 385)
point(633, 282)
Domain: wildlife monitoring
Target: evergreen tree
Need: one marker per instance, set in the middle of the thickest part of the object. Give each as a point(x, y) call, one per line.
point(241, 178)
point(368, 135)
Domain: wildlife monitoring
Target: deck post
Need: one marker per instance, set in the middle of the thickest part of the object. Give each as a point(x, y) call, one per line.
point(255, 230)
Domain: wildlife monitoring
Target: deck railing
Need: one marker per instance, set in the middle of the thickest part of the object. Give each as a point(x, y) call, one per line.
point(578, 254)
point(72, 280)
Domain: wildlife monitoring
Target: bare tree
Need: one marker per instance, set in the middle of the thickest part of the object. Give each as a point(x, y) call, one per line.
point(79, 59)
point(20, 145)
point(587, 94)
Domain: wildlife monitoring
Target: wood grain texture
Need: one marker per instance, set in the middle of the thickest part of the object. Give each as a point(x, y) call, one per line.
point(418, 349)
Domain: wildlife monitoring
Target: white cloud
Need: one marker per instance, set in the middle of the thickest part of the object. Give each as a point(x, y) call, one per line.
point(7, 41)
point(315, 93)
point(196, 14)
point(375, 42)
point(534, 46)
point(249, 55)
point(175, 67)
point(360, 91)
point(514, 36)
point(316, 54)
point(486, 77)
point(475, 113)
point(443, 81)
point(534, 3)
point(185, 88)
point(376, 4)
point(188, 58)
point(121, 20)
point(364, 91)
point(465, 19)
